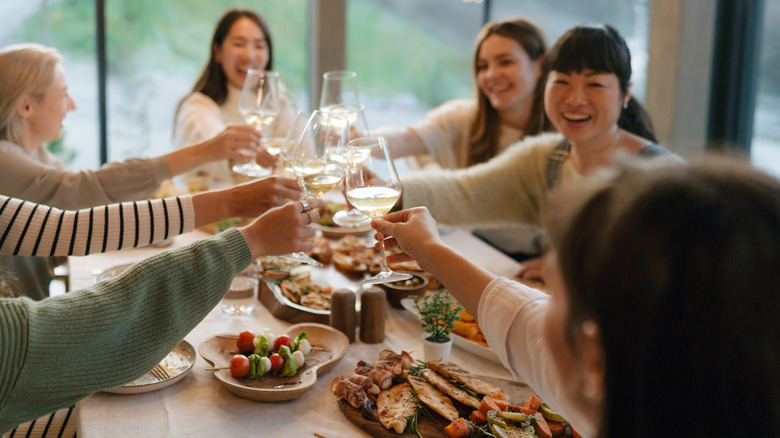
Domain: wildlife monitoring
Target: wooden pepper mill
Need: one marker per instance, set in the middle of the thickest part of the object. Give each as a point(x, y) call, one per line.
point(373, 312)
point(343, 316)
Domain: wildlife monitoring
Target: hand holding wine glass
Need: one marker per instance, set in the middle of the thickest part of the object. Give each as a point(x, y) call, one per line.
point(373, 187)
point(259, 104)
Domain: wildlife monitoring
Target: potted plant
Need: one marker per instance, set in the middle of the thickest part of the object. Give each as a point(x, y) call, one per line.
point(438, 311)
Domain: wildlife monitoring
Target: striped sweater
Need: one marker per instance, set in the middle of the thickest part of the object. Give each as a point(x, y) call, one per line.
point(29, 229)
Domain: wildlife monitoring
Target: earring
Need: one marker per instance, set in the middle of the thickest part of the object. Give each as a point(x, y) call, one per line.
point(625, 104)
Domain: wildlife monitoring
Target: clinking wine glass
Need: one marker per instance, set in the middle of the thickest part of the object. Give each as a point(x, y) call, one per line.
point(311, 164)
point(291, 141)
point(354, 115)
point(373, 187)
point(259, 105)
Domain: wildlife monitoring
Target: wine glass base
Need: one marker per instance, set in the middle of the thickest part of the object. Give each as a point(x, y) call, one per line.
point(386, 277)
point(252, 170)
point(349, 219)
point(303, 258)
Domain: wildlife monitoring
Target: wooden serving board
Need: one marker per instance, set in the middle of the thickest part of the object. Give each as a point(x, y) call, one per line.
point(432, 428)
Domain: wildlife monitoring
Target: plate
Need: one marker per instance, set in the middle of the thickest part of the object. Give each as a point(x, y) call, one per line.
point(217, 351)
point(341, 231)
point(112, 272)
point(179, 361)
point(459, 341)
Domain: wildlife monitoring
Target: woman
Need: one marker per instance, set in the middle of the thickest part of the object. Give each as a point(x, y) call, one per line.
point(587, 98)
point(33, 104)
point(62, 349)
point(508, 57)
point(663, 310)
point(241, 41)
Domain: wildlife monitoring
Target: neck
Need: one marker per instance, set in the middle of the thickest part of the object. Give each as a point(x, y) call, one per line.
point(588, 156)
point(516, 117)
point(28, 143)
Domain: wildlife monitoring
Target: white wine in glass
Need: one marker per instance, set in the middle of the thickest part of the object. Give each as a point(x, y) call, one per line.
point(259, 105)
point(373, 187)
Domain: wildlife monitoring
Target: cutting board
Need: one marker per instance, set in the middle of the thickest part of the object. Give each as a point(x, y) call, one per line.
point(433, 428)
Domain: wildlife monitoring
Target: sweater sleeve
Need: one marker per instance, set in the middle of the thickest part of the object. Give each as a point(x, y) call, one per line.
point(32, 229)
point(507, 190)
point(27, 178)
point(61, 349)
point(200, 119)
point(511, 315)
point(445, 130)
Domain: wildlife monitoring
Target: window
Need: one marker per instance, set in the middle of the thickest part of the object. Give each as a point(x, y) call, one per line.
point(411, 55)
point(765, 147)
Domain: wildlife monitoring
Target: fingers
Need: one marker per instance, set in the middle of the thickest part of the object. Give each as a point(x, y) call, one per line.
point(265, 159)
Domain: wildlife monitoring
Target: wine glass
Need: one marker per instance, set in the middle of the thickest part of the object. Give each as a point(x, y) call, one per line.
point(339, 87)
point(373, 187)
point(311, 164)
point(291, 141)
point(354, 115)
point(259, 105)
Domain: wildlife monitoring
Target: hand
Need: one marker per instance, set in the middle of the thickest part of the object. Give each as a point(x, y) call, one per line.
point(532, 269)
point(240, 143)
point(282, 230)
point(254, 198)
point(412, 230)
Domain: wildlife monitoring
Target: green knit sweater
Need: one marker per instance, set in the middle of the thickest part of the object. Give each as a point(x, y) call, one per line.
point(59, 350)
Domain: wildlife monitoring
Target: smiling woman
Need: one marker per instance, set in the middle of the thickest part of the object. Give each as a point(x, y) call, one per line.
point(241, 41)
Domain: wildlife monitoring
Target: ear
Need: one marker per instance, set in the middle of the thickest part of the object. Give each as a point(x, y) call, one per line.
point(592, 355)
point(627, 97)
point(24, 106)
point(539, 63)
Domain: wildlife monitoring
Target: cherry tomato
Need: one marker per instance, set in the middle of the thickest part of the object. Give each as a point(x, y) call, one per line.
point(277, 362)
point(282, 340)
point(239, 365)
point(245, 342)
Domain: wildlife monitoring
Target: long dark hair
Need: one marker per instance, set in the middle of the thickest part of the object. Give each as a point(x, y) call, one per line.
point(677, 266)
point(599, 48)
point(213, 81)
point(485, 128)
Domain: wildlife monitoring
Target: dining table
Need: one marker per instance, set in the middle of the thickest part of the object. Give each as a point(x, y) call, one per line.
point(198, 406)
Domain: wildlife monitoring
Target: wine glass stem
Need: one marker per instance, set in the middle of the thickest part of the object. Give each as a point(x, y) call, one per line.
point(383, 266)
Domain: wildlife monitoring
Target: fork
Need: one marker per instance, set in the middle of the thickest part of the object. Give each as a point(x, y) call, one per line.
point(160, 372)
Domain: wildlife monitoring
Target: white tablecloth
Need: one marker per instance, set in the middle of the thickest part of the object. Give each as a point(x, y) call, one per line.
point(198, 406)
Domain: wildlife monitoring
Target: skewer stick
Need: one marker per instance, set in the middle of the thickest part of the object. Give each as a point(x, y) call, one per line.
point(217, 368)
point(228, 336)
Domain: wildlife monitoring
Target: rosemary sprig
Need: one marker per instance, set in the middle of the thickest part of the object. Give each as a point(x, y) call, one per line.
point(419, 410)
point(416, 370)
point(464, 388)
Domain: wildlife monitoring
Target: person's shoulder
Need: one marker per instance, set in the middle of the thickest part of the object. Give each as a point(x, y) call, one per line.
point(196, 98)
point(456, 107)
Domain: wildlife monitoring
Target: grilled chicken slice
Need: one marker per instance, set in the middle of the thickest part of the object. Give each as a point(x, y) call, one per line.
point(451, 390)
point(351, 392)
point(394, 405)
point(433, 398)
point(452, 371)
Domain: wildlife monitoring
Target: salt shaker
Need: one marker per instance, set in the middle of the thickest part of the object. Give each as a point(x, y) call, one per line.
point(373, 312)
point(342, 312)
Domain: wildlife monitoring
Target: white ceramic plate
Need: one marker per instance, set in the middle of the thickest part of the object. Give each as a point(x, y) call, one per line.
point(179, 361)
point(330, 346)
point(459, 341)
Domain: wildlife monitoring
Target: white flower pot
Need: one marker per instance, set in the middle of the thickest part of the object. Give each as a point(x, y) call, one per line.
point(436, 350)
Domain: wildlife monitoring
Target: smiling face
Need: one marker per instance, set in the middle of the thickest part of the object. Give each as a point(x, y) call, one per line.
point(244, 47)
point(584, 106)
point(43, 119)
point(506, 75)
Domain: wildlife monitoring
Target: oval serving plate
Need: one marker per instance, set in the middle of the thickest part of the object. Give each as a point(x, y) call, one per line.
point(331, 346)
point(178, 361)
point(459, 341)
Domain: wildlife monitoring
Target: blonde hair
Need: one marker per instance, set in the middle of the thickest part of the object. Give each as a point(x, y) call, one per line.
point(25, 69)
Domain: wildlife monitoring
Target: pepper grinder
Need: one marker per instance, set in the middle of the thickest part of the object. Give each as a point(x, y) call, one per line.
point(342, 312)
point(373, 312)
